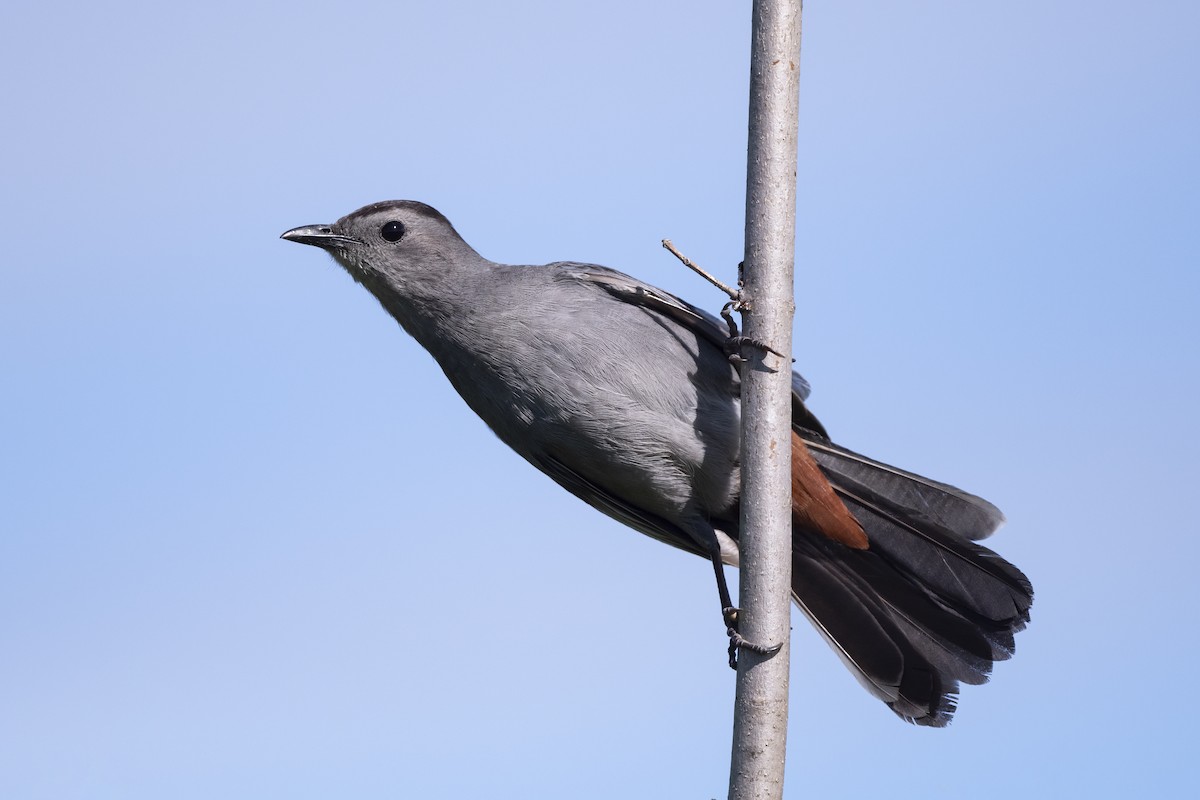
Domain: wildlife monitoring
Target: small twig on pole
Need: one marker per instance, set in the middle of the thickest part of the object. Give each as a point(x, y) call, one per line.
point(736, 303)
point(734, 294)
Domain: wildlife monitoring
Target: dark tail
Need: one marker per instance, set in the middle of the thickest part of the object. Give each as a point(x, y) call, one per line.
point(923, 608)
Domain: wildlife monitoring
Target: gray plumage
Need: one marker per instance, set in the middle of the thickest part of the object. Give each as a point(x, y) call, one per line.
point(623, 394)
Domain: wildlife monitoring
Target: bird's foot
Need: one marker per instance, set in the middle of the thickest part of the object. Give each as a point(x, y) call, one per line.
point(735, 342)
point(738, 642)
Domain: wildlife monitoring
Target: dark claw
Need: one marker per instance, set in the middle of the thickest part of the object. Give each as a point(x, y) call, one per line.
point(734, 345)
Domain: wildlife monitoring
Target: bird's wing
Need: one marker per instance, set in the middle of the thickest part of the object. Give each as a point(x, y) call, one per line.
point(608, 503)
point(709, 327)
point(639, 293)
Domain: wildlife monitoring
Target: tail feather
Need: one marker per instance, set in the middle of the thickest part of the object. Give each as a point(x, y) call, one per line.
point(972, 581)
point(924, 608)
point(848, 623)
point(868, 639)
point(920, 525)
point(965, 514)
point(964, 650)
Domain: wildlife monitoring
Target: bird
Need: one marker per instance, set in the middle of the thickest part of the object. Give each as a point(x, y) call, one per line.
point(625, 395)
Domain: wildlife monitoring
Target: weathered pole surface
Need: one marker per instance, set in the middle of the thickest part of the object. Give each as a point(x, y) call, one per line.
point(761, 704)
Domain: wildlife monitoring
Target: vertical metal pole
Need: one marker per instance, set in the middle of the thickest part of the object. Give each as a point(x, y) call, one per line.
point(761, 703)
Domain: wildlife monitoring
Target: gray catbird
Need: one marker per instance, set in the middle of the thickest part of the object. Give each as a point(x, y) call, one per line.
point(624, 395)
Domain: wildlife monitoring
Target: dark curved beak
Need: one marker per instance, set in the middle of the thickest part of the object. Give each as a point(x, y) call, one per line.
point(323, 236)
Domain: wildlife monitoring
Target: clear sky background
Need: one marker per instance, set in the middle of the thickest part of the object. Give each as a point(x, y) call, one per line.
point(252, 545)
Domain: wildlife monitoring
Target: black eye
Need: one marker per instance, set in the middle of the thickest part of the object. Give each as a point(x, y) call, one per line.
point(392, 231)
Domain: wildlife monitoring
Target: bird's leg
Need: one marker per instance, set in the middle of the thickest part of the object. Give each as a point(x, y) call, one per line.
point(729, 612)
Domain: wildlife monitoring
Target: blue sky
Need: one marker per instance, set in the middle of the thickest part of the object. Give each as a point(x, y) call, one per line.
point(252, 545)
